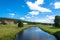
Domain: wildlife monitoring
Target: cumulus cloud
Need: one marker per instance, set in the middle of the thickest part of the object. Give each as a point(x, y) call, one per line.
point(38, 2)
point(35, 6)
point(57, 5)
point(36, 9)
point(34, 12)
point(22, 18)
point(47, 19)
point(12, 14)
point(51, 17)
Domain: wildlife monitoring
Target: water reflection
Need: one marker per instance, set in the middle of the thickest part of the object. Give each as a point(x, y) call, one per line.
point(34, 33)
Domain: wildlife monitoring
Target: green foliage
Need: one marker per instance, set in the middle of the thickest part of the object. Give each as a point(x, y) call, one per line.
point(20, 24)
point(57, 21)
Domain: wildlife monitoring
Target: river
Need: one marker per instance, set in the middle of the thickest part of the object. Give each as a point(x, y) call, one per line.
point(34, 33)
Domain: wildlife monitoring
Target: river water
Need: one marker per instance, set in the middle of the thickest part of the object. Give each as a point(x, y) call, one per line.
point(34, 33)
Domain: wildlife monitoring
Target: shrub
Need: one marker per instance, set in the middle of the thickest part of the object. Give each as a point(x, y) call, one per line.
point(20, 24)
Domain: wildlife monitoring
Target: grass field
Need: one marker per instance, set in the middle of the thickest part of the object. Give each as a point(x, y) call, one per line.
point(8, 32)
point(49, 28)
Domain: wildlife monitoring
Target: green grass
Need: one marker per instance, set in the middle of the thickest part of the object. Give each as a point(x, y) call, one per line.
point(8, 32)
point(49, 28)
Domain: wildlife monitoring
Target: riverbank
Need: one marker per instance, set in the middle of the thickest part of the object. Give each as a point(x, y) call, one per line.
point(8, 32)
point(51, 30)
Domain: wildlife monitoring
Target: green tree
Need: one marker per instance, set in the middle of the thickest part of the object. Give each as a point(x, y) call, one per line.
point(20, 24)
point(57, 21)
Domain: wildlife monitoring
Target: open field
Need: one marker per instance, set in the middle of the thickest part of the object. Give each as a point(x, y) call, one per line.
point(8, 32)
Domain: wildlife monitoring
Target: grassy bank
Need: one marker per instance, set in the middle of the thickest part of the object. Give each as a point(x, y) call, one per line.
point(49, 28)
point(8, 32)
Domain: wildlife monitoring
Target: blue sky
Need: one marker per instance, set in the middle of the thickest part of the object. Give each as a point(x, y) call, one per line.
point(31, 10)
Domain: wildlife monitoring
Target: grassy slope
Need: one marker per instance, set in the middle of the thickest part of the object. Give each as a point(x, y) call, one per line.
point(8, 32)
point(49, 28)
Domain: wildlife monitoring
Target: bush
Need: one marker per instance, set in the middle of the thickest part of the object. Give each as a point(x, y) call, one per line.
point(20, 24)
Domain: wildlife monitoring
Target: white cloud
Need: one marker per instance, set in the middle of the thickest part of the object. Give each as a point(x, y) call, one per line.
point(34, 12)
point(35, 6)
point(51, 17)
point(57, 5)
point(47, 19)
point(12, 14)
point(38, 2)
point(44, 9)
point(22, 18)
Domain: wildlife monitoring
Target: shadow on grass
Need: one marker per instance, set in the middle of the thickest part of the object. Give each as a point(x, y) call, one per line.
point(57, 35)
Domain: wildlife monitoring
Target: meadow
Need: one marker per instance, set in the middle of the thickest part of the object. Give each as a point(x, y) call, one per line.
point(8, 32)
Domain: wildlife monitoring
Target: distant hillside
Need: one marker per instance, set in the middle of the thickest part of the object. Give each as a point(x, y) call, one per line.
point(9, 21)
point(12, 19)
point(1, 18)
point(17, 20)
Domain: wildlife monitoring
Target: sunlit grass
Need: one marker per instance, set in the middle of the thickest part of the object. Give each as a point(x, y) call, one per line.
point(8, 32)
point(49, 28)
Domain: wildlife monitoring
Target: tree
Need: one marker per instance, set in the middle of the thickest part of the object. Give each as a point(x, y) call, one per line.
point(20, 24)
point(57, 21)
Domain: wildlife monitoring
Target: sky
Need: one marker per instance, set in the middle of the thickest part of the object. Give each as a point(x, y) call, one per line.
point(30, 10)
